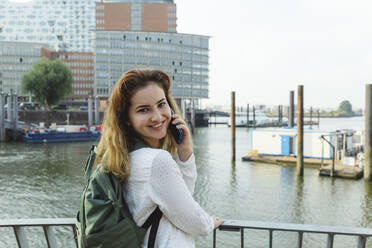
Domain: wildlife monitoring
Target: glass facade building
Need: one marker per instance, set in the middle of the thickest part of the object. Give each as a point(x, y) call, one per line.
point(184, 57)
point(65, 25)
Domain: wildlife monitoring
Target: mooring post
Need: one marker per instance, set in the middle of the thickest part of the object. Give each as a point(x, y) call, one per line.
point(232, 126)
point(254, 117)
point(96, 110)
point(279, 115)
point(10, 107)
point(311, 116)
point(15, 116)
point(368, 134)
point(90, 110)
point(247, 115)
point(318, 117)
point(300, 131)
point(291, 109)
point(193, 115)
point(2, 117)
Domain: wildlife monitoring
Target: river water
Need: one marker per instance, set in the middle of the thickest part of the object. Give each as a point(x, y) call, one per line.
point(45, 181)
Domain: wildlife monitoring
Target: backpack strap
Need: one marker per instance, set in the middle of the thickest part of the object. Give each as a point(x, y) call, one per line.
point(153, 221)
point(90, 163)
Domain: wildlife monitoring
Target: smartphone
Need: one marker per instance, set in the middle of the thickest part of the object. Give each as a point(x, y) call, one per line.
point(176, 133)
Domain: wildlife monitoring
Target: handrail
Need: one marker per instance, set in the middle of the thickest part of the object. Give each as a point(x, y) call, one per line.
point(239, 226)
point(47, 224)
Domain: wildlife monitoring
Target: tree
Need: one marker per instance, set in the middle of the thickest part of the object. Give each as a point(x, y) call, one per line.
point(49, 81)
point(345, 107)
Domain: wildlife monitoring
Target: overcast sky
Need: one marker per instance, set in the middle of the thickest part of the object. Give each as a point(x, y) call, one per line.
point(262, 49)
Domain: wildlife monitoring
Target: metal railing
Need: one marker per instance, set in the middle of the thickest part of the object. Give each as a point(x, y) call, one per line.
point(48, 225)
point(331, 231)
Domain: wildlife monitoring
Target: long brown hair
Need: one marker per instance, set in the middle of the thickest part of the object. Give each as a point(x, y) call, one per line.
point(118, 138)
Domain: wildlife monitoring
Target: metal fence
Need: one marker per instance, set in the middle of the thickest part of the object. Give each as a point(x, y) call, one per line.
point(300, 229)
point(48, 225)
point(19, 228)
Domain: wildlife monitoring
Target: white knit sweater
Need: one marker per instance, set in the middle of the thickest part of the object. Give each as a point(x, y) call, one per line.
point(157, 179)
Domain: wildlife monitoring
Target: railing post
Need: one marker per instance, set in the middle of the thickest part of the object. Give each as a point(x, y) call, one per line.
point(271, 239)
point(49, 236)
point(330, 240)
point(20, 234)
point(242, 237)
point(300, 237)
point(214, 238)
point(361, 242)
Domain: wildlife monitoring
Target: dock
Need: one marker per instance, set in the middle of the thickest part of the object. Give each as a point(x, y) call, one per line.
point(350, 172)
point(286, 160)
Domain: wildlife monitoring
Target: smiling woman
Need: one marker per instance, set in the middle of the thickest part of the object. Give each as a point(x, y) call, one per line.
point(156, 172)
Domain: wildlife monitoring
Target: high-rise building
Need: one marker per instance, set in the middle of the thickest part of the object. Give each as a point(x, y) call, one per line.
point(142, 34)
point(184, 57)
point(65, 25)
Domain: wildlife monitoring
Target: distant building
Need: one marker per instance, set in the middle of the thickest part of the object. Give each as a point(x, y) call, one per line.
point(65, 25)
point(143, 34)
point(81, 65)
point(17, 58)
point(184, 57)
point(137, 15)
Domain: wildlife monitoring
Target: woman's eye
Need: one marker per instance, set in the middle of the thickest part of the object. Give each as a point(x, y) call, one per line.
point(144, 110)
point(162, 104)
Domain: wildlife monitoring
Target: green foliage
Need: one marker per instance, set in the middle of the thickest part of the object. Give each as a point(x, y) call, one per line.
point(49, 81)
point(345, 108)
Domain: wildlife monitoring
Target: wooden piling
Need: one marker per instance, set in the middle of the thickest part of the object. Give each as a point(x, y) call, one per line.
point(254, 117)
point(10, 107)
point(90, 111)
point(232, 126)
point(318, 117)
point(247, 115)
point(96, 111)
point(2, 117)
point(15, 116)
point(291, 109)
point(311, 116)
point(368, 134)
point(300, 131)
point(279, 118)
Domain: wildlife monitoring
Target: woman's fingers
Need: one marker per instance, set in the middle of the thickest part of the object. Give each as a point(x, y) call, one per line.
point(217, 221)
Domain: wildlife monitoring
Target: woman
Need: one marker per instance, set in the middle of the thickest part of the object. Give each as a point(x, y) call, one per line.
point(163, 174)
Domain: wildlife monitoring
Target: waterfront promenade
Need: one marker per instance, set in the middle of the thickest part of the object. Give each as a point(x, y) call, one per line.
point(45, 181)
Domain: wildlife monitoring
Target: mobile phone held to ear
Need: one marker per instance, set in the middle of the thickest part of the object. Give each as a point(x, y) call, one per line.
point(176, 133)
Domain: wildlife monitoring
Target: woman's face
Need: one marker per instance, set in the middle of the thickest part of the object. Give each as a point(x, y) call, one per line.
point(149, 114)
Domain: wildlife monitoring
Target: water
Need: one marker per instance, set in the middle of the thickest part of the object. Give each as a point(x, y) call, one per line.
point(45, 180)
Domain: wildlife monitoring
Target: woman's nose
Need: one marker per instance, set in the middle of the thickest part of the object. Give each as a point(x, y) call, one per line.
point(156, 115)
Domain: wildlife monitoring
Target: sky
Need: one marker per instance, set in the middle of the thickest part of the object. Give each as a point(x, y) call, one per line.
point(263, 49)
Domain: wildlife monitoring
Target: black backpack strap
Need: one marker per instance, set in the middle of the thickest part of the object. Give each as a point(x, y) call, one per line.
point(153, 221)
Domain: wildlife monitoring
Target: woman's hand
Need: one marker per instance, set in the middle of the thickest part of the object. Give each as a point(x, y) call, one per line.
point(217, 221)
point(185, 148)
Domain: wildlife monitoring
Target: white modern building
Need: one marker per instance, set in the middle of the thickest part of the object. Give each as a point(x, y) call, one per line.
point(65, 25)
point(184, 57)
